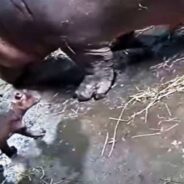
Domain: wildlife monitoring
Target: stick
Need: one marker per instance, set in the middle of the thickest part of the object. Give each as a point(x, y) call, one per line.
point(116, 126)
point(105, 143)
point(157, 133)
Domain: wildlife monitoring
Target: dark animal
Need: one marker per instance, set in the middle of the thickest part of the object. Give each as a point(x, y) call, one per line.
point(11, 120)
point(30, 30)
point(142, 44)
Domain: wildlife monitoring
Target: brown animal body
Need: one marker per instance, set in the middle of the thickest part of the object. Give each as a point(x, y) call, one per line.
point(30, 30)
point(11, 120)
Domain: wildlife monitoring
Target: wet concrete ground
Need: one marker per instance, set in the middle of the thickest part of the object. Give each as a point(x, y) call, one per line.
point(71, 151)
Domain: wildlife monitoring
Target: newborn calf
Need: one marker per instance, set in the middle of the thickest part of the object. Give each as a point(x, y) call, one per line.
point(11, 114)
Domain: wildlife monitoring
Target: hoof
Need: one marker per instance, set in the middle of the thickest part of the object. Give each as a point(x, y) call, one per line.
point(13, 152)
point(97, 85)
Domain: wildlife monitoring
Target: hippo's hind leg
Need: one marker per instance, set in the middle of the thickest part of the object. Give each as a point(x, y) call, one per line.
point(55, 71)
point(125, 41)
point(6, 149)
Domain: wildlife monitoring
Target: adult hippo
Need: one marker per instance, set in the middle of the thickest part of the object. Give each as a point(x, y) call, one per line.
point(31, 29)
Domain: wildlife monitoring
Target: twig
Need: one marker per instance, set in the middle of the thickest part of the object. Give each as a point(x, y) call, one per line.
point(75, 111)
point(141, 31)
point(168, 109)
point(105, 143)
point(168, 120)
point(157, 133)
point(51, 181)
point(146, 109)
point(116, 126)
point(116, 119)
point(44, 182)
point(146, 135)
point(141, 7)
point(114, 138)
point(69, 48)
point(42, 172)
point(111, 141)
point(170, 128)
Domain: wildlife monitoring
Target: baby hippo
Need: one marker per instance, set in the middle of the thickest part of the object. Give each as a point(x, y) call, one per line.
point(11, 115)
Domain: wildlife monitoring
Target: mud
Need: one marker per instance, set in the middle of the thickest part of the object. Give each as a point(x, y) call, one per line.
point(71, 151)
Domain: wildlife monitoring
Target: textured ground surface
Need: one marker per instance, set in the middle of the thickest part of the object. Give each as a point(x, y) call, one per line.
point(145, 152)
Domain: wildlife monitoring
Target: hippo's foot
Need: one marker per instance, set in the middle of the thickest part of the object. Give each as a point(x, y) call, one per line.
point(6, 149)
point(97, 85)
point(1, 169)
point(11, 152)
point(55, 71)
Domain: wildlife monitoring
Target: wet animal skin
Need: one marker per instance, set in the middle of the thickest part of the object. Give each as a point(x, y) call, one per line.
point(30, 30)
point(11, 120)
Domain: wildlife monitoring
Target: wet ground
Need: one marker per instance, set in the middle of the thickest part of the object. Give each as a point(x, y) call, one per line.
point(78, 146)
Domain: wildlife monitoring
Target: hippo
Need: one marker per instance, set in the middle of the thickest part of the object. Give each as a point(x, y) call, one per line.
point(147, 43)
point(87, 31)
point(12, 112)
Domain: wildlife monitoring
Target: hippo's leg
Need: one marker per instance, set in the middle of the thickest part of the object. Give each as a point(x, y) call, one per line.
point(126, 41)
point(52, 72)
point(143, 38)
point(99, 74)
point(29, 133)
point(6, 149)
point(131, 56)
point(10, 74)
